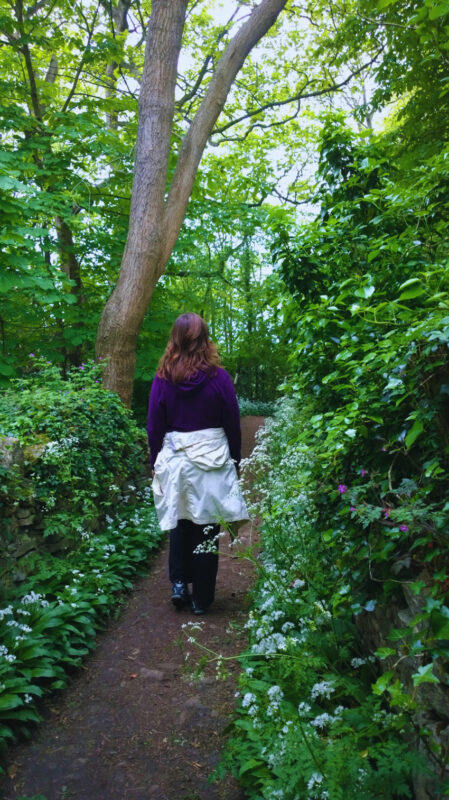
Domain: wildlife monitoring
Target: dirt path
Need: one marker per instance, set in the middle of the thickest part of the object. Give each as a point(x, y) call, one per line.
point(133, 724)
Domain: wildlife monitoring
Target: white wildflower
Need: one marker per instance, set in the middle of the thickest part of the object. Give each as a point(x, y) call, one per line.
point(322, 689)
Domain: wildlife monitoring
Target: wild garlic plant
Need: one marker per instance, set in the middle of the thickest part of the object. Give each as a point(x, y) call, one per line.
point(49, 623)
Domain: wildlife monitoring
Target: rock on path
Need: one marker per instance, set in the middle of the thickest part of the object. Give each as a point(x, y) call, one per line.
point(134, 724)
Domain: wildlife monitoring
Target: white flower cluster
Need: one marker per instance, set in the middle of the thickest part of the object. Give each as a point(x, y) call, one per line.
point(248, 699)
point(314, 786)
point(322, 720)
point(282, 621)
point(275, 695)
point(5, 612)
point(34, 597)
point(274, 794)
point(108, 549)
point(322, 689)
point(209, 545)
point(6, 655)
point(59, 448)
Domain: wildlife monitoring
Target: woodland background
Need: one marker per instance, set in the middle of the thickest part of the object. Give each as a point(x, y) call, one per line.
point(315, 244)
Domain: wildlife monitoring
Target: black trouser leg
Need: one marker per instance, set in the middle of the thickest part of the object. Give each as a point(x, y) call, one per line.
point(186, 565)
point(204, 564)
point(180, 553)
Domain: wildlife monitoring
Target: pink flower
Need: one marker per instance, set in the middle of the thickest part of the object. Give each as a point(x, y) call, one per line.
point(31, 355)
point(363, 472)
point(352, 508)
point(387, 513)
point(342, 488)
point(403, 528)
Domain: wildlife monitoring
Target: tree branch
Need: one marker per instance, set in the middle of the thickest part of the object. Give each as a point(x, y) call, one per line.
point(52, 71)
point(25, 50)
point(288, 199)
point(259, 22)
point(118, 19)
point(80, 65)
point(383, 22)
point(32, 10)
point(335, 87)
point(192, 92)
point(262, 125)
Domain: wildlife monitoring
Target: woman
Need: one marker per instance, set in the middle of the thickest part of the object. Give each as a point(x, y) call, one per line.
point(194, 437)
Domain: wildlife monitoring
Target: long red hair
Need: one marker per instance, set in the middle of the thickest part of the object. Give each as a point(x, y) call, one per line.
point(189, 349)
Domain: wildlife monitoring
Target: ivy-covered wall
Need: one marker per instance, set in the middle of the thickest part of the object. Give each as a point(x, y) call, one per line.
point(68, 450)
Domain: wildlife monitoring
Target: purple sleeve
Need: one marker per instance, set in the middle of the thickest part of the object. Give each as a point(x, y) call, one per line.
point(231, 418)
point(156, 424)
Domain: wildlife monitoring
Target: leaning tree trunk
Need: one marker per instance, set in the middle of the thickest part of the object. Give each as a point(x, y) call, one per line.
point(155, 222)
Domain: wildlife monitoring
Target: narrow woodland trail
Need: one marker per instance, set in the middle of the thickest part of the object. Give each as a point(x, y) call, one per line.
point(134, 724)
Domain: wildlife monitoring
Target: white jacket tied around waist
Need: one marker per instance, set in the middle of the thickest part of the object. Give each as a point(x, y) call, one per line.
point(195, 478)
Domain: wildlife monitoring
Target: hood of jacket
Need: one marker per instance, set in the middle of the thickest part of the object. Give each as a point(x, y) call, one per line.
point(193, 382)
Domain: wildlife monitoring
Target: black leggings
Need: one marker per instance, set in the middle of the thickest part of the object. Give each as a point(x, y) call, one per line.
point(199, 569)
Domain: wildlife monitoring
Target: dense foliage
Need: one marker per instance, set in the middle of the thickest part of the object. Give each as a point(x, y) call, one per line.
point(70, 78)
point(91, 529)
point(255, 408)
point(326, 710)
point(78, 442)
point(344, 692)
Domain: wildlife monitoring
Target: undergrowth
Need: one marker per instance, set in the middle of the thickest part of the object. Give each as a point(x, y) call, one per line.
point(321, 715)
point(80, 448)
point(49, 624)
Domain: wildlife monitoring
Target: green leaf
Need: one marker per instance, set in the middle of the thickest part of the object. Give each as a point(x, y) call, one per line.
point(439, 11)
point(415, 431)
point(8, 701)
point(409, 294)
point(424, 675)
point(410, 282)
point(365, 292)
point(6, 369)
point(384, 652)
point(382, 682)
point(252, 763)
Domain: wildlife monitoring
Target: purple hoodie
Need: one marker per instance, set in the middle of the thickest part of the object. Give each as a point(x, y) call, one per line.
point(201, 401)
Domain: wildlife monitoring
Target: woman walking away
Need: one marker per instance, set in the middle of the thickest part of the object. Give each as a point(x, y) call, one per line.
point(194, 437)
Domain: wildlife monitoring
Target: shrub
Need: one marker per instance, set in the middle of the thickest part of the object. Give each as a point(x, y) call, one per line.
point(79, 443)
point(258, 408)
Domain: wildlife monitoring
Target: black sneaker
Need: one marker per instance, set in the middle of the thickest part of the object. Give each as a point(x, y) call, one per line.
point(196, 608)
point(180, 596)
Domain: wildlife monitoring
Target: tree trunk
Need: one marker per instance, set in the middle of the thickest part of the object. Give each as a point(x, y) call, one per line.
point(71, 267)
point(155, 222)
